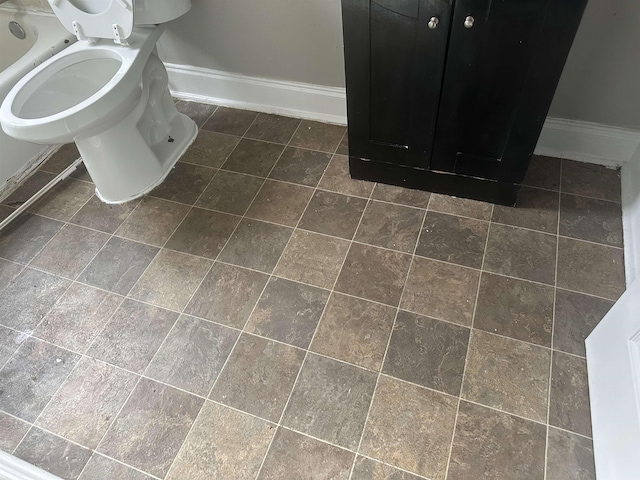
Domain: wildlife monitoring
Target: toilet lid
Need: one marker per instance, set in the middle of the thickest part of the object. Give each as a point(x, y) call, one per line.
point(96, 18)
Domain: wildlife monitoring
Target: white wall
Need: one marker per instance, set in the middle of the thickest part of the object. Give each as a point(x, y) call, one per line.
point(296, 40)
point(301, 40)
point(601, 80)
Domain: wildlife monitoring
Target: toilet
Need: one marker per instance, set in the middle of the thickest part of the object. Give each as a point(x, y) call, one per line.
point(108, 93)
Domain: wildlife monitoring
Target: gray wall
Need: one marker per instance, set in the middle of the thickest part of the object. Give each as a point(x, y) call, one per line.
point(297, 40)
point(301, 40)
point(601, 80)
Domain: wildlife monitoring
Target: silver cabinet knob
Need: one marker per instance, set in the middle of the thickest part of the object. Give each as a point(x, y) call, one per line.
point(433, 22)
point(468, 22)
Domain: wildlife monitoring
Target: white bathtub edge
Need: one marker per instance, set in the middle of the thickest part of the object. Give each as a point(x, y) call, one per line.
point(13, 468)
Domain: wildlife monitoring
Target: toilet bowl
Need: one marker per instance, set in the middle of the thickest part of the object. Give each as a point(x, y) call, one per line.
point(108, 95)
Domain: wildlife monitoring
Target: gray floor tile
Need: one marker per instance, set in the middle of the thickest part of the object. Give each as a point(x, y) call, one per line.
point(300, 166)
point(575, 318)
point(32, 376)
point(118, 265)
point(103, 468)
point(535, 209)
point(87, 401)
point(171, 279)
point(453, 239)
point(53, 454)
point(515, 308)
point(185, 183)
point(10, 340)
point(428, 352)
point(258, 377)
point(441, 290)
point(64, 200)
point(70, 251)
point(521, 253)
point(78, 317)
point(490, 444)
point(102, 216)
point(337, 179)
point(569, 457)
point(343, 148)
point(230, 121)
point(589, 219)
point(333, 214)
point(151, 427)
point(543, 172)
point(318, 136)
point(257, 245)
point(401, 195)
point(280, 202)
point(203, 233)
point(227, 295)
point(253, 157)
point(28, 188)
point(133, 335)
point(390, 226)
point(26, 236)
point(330, 401)
point(590, 268)
point(288, 312)
point(8, 271)
point(385, 272)
point(293, 456)
point(460, 206)
point(312, 258)
point(273, 128)
point(368, 469)
point(198, 112)
point(28, 298)
point(153, 221)
point(210, 149)
point(354, 330)
point(230, 192)
point(507, 374)
point(410, 427)
point(192, 355)
point(223, 443)
point(569, 400)
point(13, 430)
point(590, 180)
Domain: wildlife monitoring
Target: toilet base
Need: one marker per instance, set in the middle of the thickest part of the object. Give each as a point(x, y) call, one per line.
point(135, 155)
point(183, 132)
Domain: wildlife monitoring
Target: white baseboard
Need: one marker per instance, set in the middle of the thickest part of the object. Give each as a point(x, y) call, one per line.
point(301, 100)
point(571, 139)
point(587, 142)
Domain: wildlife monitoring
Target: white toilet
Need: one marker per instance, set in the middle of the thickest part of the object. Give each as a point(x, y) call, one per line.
point(109, 94)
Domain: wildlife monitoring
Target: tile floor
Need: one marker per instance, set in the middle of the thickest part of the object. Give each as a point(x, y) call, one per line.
point(260, 315)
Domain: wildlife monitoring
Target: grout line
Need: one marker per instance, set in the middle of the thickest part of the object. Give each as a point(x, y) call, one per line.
point(252, 310)
point(386, 350)
point(553, 324)
point(304, 360)
point(466, 358)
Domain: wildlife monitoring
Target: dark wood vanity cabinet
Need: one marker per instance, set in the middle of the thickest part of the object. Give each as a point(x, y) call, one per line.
point(451, 95)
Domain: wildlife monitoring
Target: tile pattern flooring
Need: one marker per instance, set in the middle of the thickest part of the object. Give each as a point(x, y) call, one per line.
point(261, 315)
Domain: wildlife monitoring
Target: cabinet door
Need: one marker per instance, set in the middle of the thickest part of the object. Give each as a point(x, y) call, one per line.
point(394, 64)
point(490, 53)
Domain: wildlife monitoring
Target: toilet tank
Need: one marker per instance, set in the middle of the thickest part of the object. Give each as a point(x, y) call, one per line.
point(153, 12)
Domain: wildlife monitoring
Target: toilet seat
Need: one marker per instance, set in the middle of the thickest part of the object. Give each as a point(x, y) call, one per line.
point(86, 19)
point(38, 110)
